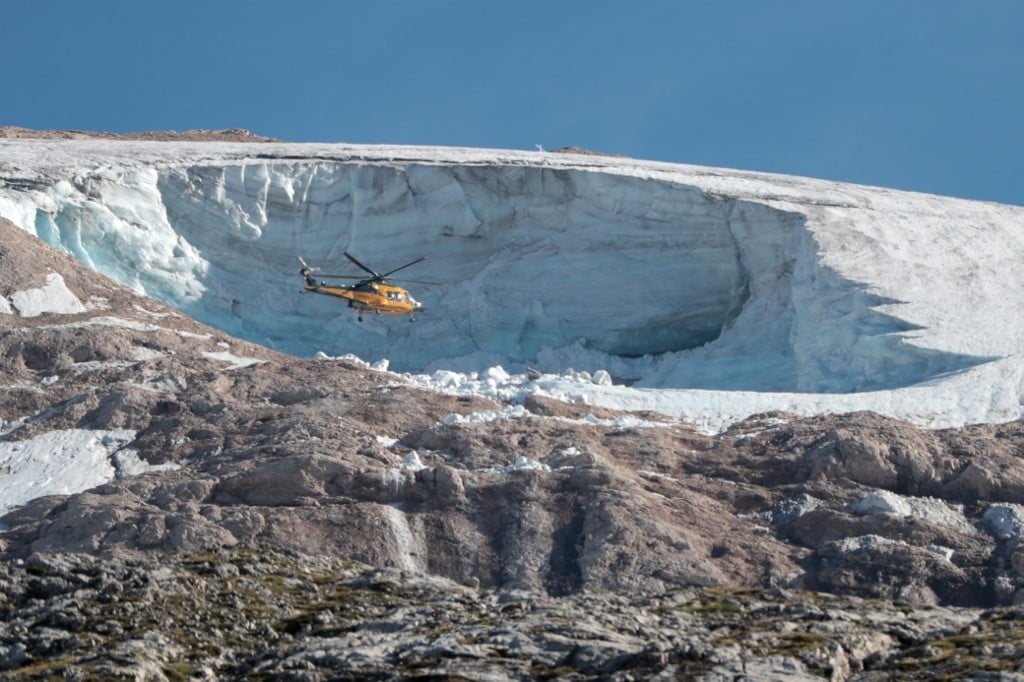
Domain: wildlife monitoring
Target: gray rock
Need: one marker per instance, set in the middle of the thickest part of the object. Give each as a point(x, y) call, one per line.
point(12, 656)
point(617, 559)
point(768, 669)
point(785, 511)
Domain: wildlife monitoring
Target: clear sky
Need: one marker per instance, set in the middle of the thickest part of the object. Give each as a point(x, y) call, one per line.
point(925, 95)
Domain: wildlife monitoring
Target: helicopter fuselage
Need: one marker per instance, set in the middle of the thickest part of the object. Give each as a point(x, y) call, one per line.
point(379, 298)
point(372, 294)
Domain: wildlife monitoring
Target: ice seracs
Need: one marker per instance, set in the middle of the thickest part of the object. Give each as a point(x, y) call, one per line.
point(703, 293)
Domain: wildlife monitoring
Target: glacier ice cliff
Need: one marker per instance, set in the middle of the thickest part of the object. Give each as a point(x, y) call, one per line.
point(666, 276)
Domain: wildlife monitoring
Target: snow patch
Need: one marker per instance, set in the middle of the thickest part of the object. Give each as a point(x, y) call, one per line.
point(510, 412)
point(57, 463)
point(386, 441)
point(8, 426)
point(944, 552)
point(104, 321)
point(929, 509)
point(236, 362)
point(867, 542)
point(878, 542)
point(53, 297)
point(411, 462)
point(521, 464)
point(128, 463)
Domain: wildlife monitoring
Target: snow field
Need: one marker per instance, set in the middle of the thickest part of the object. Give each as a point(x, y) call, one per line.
point(65, 462)
point(702, 293)
point(54, 297)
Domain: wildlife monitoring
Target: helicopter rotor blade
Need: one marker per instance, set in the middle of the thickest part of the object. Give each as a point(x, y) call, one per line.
point(403, 267)
point(354, 260)
point(341, 276)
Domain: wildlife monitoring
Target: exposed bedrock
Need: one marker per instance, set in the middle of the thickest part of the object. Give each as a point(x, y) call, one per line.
point(331, 459)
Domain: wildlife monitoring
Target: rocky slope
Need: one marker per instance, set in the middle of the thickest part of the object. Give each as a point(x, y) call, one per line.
point(525, 528)
point(241, 614)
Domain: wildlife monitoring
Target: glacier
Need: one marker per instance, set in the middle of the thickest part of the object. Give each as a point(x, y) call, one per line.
point(705, 293)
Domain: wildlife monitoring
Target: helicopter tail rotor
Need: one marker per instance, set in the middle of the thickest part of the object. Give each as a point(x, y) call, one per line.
point(307, 272)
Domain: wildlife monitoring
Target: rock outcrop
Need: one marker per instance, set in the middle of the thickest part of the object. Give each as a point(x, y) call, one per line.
point(593, 545)
point(239, 614)
point(330, 458)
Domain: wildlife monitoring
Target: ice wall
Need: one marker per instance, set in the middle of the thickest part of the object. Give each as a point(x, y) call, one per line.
point(660, 283)
point(534, 258)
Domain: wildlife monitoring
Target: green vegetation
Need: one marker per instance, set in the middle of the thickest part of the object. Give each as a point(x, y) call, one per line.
point(797, 642)
point(245, 613)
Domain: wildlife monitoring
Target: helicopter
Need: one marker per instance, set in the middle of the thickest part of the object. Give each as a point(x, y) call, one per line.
point(374, 294)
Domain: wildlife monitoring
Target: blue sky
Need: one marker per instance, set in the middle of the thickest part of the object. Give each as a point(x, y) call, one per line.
point(925, 95)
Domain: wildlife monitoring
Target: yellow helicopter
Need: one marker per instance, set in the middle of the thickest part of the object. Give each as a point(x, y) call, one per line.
point(374, 294)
